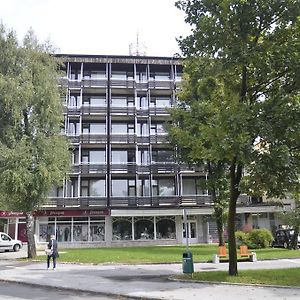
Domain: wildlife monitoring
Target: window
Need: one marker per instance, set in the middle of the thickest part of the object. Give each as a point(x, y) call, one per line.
point(165, 228)
point(144, 228)
point(119, 102)
point(143, 187)
point(118, 75)
point(93, 156)
point(143, 129)
point(123, 187)
point(143, 157)
point(72, 188)
point(142, 102)
point(194, 186)
point(94, 75)
point(122, 229)
point(94, 101)
point(160, 102)
point(122, 128)
point(74, 100)
point(163, 187)
point(123, 156)
point(162, 156)
point(119, 157)
point(157, 129)
point(73, 128)
point(93, 128)
point(93, 187)
point(75, 74)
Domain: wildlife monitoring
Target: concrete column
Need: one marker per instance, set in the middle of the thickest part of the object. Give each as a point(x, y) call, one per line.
point(108, 230)
point(178, 220)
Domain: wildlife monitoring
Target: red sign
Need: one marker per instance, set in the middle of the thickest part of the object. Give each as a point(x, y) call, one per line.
point(71, 213)
point(11, 214)
point(56, 213)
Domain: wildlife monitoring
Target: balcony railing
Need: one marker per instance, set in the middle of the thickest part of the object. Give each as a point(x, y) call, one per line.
point(123, 138)
point(89, 168)
point(139, 202)
point(94, 83)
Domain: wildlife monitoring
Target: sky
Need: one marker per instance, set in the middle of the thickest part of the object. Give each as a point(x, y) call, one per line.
point(104, 27)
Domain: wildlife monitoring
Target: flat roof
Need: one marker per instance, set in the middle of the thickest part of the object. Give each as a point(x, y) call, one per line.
point(129, 59)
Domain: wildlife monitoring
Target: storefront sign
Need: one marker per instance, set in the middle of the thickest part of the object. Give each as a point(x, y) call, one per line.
point(71, 213)
point(11, 214)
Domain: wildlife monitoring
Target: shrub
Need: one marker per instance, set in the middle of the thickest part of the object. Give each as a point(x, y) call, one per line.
point(260, 238)
point(241, 238)
point(255, 239)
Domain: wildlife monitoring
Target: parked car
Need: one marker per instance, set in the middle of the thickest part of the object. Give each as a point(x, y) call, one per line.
point(7, 243)
point(283, 238)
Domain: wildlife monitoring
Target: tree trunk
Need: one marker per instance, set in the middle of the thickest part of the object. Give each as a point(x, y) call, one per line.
point(219, 210)
point(31, 252)
point(220, 227)
point(235, 178)
point(294, 242)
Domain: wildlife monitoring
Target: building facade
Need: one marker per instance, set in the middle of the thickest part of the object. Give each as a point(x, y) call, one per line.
point(125, 187)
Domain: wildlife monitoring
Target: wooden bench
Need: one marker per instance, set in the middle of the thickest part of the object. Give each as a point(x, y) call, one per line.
point(244, 252)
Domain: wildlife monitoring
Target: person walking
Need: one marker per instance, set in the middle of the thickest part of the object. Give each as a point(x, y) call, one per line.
point(52, 252)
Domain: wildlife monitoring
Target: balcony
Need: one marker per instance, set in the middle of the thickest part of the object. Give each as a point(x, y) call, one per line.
point(161, 167)
point(123, 168)
point(119, 83)
point(129, 111)
point(89, 168)
point(159, 139)
point(123, 138)
point(94, 83)
point(93, 138)
point(158, 111)
point(163, 84)
point(81, 202)
point(93, 110)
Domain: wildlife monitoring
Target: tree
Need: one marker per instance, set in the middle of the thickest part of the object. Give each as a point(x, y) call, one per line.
point(34, 156)
point(184, 134)
point(292, 218)
point(242, 85)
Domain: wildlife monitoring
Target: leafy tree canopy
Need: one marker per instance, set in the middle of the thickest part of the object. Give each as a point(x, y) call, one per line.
point(34, 155)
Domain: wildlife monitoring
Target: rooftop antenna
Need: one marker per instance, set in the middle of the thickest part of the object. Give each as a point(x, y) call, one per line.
point(137, 49)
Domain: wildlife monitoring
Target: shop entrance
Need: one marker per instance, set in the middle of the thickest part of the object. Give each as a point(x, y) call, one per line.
point(191, 232)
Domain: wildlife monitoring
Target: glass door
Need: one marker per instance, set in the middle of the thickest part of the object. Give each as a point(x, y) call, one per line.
point(191, 232)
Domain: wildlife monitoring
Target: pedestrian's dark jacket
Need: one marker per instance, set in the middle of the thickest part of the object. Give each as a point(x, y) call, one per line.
point(54, 246)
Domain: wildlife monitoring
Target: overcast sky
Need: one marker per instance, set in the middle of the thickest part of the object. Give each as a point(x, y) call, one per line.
point(98, 26)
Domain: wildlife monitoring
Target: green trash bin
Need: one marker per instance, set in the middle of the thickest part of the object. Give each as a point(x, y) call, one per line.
point(187, 262)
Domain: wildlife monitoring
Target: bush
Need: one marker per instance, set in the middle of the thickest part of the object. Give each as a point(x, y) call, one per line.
point(255, 239)
point(260, 238)
point(241, 238)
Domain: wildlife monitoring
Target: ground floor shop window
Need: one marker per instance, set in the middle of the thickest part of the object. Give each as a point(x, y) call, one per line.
point(144, 228)
point(72, 229)
point(165, 228)
point(122, 229)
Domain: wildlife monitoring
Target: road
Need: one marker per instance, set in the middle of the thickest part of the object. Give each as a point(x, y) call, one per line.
point(15, 291)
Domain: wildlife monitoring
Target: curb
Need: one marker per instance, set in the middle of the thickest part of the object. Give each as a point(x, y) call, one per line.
point(171, 278)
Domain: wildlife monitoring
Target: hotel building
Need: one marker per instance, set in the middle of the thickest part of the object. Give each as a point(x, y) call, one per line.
point(125, 187)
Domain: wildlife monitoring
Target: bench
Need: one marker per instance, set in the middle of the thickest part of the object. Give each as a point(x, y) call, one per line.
point(244, 252)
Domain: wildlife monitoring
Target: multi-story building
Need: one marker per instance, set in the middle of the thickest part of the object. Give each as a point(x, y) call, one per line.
point(125, 186)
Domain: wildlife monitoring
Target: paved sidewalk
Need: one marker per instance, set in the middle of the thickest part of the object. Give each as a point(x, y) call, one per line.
point(145, 281)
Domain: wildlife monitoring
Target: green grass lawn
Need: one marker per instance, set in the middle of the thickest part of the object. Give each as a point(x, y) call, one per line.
point(283, 277)
point(158, 254)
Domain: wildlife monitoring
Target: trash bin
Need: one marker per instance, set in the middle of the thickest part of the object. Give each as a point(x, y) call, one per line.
point(187, 262)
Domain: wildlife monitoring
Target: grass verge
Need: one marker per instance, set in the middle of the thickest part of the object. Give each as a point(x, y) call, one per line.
point(157, 254)
point(282, 277)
